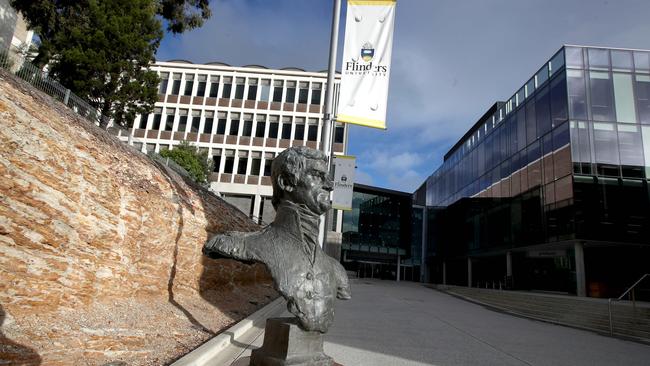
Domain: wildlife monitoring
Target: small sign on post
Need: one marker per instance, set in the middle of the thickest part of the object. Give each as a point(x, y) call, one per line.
point(343, 181)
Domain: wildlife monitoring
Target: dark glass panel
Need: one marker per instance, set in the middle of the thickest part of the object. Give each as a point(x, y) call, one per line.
point(286, 131)
point(302, 96)
point(200, 91)
point(226, 91)
point(252, 92)
point(259, 129)
point(577, 94)
point(207, 127)
point(602, 96)
point(531, 124)
point(561, 136)
point(214, 90)
point(533, 151)
point(312, 132)
point(248, 128)
point(143, 121)
point(176, 87)
point(230, 162)
point(521, 128)
point(234, 127)
point(156, 121)
point(182, 123)
point(277, 94)
point(239, 91)
point(255, 166)
point(267, 167)
point(169, 122)
point(221, 126)
point(291, 95)
point(315, 96)
point(188, 87)
point(300, 132)
point(559, 97)
point(339, 133)
point(543, 111)
point(216, 163)
point(241, 166)
point(273, 130)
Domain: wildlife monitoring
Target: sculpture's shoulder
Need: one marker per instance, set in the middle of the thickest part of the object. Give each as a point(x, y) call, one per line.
point(340, 275)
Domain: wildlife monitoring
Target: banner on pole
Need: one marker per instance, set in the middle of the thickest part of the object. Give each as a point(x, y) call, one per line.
point(365, 69)
point(343, 181)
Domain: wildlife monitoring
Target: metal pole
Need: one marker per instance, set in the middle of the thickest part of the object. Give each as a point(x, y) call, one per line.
point(326, 134)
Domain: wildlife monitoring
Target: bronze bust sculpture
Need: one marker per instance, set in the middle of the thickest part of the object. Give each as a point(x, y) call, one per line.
point(307, 278)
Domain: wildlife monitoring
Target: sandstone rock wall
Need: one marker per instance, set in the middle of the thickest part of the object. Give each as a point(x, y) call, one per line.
point(100, 248)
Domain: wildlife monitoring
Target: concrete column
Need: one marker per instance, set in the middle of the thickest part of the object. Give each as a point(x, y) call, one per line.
point(508, 264)
point(399, 268)
point(257, 204)
point(469, 272)
point(581, 284)
point(444, 272)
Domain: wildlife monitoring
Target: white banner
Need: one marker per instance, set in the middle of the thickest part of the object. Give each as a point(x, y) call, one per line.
point(366, 62)
point(343, 181)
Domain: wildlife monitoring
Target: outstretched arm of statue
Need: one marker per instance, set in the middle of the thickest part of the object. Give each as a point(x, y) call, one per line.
point(229, 245)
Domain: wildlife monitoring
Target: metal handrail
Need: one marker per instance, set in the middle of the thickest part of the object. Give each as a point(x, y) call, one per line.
point(609, 301)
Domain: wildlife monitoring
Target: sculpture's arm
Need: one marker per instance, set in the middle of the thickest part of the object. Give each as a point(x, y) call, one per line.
point(343, 283)
point(229, 245)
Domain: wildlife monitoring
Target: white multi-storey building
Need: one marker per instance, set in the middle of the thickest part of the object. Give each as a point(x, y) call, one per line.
point(243, 117)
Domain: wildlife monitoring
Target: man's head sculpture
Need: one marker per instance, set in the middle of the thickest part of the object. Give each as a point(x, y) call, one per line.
point(304, 275)
point(299, 175)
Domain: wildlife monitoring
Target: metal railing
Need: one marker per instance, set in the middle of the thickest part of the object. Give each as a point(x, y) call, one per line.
point(629, 292)
point(17, 64)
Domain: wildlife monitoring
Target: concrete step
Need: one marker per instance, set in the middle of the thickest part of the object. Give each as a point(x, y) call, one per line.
point(585, 313)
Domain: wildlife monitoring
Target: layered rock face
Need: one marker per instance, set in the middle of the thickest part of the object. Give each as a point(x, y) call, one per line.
point(100, 248)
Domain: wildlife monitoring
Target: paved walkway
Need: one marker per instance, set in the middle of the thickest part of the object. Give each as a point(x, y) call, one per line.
point(388, 323)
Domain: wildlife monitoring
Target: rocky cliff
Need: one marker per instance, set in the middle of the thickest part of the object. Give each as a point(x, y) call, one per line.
point(100, 248)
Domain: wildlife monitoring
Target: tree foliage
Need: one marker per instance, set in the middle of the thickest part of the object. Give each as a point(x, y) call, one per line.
point(100, 49)
point(194, 162)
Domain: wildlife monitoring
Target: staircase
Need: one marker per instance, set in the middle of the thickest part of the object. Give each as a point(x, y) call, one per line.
point(632, 322)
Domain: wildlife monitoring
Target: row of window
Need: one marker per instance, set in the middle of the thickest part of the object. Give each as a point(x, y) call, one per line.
point(238, 162)
point(216, 86)
point(285, 127)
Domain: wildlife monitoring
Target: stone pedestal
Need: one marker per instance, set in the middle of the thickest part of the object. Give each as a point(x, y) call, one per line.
point(286, 344)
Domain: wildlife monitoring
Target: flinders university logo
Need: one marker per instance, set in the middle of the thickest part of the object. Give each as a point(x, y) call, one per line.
point(367, 52)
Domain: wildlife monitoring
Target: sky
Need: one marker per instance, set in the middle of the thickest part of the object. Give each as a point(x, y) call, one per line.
point(452, 59)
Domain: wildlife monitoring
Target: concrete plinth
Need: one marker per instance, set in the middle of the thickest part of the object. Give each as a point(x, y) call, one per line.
point(286, 344)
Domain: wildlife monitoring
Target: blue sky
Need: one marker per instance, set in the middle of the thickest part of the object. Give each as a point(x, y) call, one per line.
point(451, 61)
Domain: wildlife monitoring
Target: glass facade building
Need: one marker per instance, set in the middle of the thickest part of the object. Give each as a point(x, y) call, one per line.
point(377, 234)
point(555, 179)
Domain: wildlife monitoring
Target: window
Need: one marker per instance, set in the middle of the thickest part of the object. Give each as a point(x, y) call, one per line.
point(580, 144)
point(558, 97)
point(182, 120)
point(209, 121)
point(557, 62)
point(252, 89)
point(291, 92)
point(605, 143)
point(234, 124)
point(598, 59)
point(260, 126)
point(243, 161)
point(641, 61)
point(560, 136)
point(216, 160)
point(624, 98)
point(221, 123)
point(642, 85)
point(176, 84)
point(315, 93)
point(239, 88)
point(303, 92)
point(521, 129)
point(230, 161)
point(312, 130)
point(155, 125)
point(543, 112)
point(541, 76)
point(622, 60)
point(256, 162)
point(266, 90)
point(196, 121)
point(286, 128)
point(189, 84)
point(143, 121)
point(339, 133)
point(631, 150)
point(277, 90)
point(200, 91)
point(164, 80)
point(169, 121)
point(577, 94)
point(602, 104)
point(248, 128)
point(531, 124)
point(227, 87)
point(214, 86)
point(573, 57)
point(268, 161)
point(274, 126)
point(300, 129)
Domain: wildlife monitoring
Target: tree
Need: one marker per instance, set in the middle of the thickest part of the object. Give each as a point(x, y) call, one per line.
point(194, 162)
point(100, 49)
